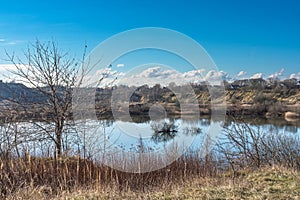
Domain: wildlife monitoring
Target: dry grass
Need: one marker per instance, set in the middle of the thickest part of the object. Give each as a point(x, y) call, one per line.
point(187, 178)
point(244, 172)
point(276, 183)
point(40, 178)
point(266, 183)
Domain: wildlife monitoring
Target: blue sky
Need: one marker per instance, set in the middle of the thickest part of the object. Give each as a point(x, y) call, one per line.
point(253, 36)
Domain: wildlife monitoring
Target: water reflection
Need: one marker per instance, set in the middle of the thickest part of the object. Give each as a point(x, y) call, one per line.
point(108, 133)
point(157, 133)
point(163, 131)
point(192, 131)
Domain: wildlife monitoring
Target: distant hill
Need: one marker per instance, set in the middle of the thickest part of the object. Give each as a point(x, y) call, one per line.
point(243, 97)
point(14, 91)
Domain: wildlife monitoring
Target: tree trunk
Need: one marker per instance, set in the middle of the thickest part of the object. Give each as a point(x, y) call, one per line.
point(58, 143)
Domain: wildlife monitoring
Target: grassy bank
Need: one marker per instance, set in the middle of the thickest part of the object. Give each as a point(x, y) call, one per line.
point(246, 163)
point(265, 183)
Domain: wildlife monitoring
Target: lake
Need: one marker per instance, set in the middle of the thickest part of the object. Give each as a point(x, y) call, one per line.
point(155, 135)
point(151, 135)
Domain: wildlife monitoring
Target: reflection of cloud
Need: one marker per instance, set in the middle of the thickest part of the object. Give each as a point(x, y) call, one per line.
point(276, 75)
point(241, 73)
point(120, 65)
point(2, 40)
point(257, 76)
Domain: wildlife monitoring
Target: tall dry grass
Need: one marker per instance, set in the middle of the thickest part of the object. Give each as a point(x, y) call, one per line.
point(241, 147)
point(73, 173)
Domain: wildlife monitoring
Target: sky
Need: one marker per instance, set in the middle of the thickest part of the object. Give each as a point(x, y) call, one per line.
point(244, 38)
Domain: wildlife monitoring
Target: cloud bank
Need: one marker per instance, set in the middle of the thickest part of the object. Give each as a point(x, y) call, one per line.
point(241, 74)
point(120, 65)
point(296, 76)
point(257, 76)
point(155, 75)
point(276, 75)
point(164, 76)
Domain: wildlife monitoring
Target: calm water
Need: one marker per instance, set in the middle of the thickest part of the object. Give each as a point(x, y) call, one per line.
point(155, 135)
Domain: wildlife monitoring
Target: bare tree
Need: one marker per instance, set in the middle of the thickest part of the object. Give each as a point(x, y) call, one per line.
point(52, 73)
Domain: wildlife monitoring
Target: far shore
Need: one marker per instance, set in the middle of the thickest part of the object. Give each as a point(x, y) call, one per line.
point(138, 110)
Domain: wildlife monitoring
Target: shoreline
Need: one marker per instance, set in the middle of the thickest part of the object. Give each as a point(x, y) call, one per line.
point(290, 113)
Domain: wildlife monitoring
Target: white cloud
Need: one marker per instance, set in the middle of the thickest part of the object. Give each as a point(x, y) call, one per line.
point(106, 72)
point(152, 76)
point(193, 73)
point(163, 73)
point(281, 71)
point(296, 76)
point(157, 72)
point(276, 75)
point(164, 76)
point(152, 72)
point(257, 76)
point(12, 43)
point(5, 42)
point(106, 75)
point(8, 68)
point(241, 73)
point(7, 75)
point(120, 65)
point(216, 77)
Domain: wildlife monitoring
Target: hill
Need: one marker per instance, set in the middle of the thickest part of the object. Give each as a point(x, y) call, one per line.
point(255, 97)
